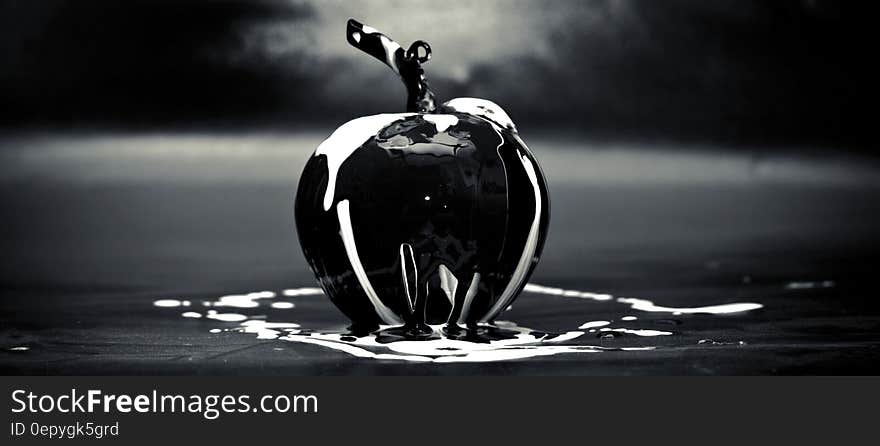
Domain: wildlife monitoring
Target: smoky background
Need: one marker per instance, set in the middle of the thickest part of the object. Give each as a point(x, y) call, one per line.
point(772, 73)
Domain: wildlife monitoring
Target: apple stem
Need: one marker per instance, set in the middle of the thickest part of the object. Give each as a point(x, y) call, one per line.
point(406, 63)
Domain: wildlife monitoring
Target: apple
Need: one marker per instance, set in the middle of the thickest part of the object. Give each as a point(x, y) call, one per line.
point(433, 216)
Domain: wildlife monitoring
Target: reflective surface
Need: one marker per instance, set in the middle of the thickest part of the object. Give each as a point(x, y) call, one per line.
point(501, 341)
point(434, 219)
point(117, 222)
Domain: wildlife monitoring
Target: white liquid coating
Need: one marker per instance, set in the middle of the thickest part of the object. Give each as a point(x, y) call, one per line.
point(192, 314)
point(19, 349)
point(525, 342)
point(525, 260)
point(406, 253)
point(638, 332)
point(304, 291)
point(268, 330)
point(594, 324)
point(540, 289)
point(167, 303)
point(282, 305)
point(345, 140)
point(567, 336)
point(441, 122)
point(226, 317)
point(522, 346)
point(647, 305)
point(390, 46)
point(347, 233)
point(644, 304)
point(628, 318)
point(448, 283)
point(469, 298)
point(484, 109)
point(248, 300)
point(445, 350)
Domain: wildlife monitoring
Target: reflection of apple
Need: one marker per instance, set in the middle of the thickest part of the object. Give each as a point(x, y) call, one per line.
point(431, 216)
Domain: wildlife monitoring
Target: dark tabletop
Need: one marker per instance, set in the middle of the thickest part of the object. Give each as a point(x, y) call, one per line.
point(98, 227)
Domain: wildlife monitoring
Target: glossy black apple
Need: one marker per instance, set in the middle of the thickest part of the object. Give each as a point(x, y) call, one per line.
point(437, 215)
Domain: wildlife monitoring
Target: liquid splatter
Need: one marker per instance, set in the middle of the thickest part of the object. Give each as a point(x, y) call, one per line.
point(638, 332)
point(809, 285)
point(540, 289)
point(501, 341)
point(593, 324)
point(248, 300)
point(714, 342)
point(226, 317)
point(647, 305)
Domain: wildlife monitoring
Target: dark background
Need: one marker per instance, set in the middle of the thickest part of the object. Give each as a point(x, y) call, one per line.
point(767, 72)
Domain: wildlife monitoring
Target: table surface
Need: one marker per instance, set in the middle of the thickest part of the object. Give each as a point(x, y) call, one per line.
point(99, 227)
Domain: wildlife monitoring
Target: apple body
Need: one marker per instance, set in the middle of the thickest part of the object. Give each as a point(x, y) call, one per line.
point(423, 218)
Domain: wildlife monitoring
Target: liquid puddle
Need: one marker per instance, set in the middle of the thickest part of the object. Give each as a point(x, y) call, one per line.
point(809, 285)
point(502, 341)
